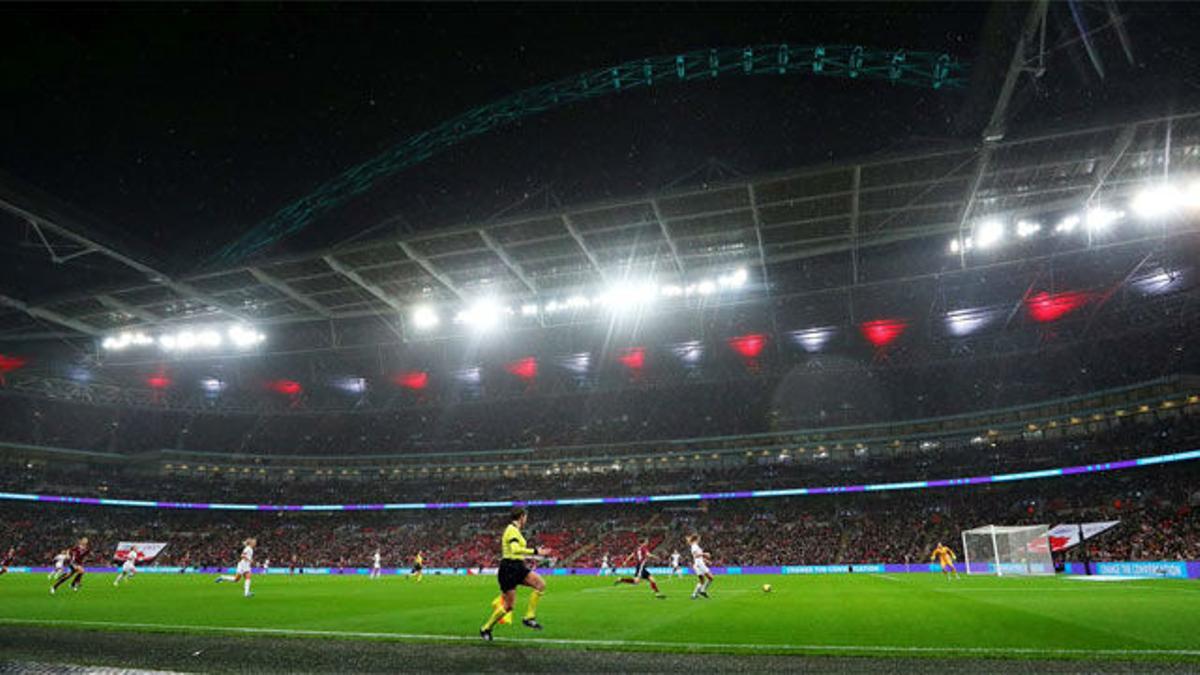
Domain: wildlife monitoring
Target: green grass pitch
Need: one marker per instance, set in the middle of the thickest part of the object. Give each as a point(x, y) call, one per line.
point(868, 615)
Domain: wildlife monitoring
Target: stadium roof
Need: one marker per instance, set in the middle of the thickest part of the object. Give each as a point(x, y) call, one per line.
point(843, 226)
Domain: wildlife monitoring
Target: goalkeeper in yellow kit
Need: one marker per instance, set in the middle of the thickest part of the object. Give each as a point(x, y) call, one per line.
point(945, 558)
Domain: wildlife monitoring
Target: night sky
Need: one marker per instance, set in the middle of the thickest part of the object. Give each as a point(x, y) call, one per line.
point(181, 126)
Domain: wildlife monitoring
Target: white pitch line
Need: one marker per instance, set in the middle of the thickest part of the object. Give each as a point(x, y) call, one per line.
point(693, 646)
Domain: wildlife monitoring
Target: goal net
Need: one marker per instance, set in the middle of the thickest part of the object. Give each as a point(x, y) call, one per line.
point(1007, 550)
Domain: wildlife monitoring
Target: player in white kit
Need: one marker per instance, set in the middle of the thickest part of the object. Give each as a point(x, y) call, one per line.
point(676, 569)
point(377, 565)
point(129, 567)
point(605, 567)
point(700, 561)
point(60, 564)
point(245, 567)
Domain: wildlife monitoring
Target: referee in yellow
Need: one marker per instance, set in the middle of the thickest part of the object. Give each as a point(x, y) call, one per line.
point(513, 572)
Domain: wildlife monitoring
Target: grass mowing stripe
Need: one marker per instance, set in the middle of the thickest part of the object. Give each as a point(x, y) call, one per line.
point(860, 615)
point(691, 646)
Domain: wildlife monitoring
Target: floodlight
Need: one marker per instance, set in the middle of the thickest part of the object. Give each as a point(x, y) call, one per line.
point(1067, 224)
point(482, 315)
point(1028, 228)
point(964, 244)
point(243, 337)
point(210, 339)
point(185, 340)
point(1099, 218)
point(1191, 196)
point(624, 296)
point(1157, 201)
point(735, 279)
point(424, 317)
point(989, 233)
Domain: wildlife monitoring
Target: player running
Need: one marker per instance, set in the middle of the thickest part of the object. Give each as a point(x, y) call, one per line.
point(60, 562)
point(945, 558)
point(676, 568)
point(642, 556)
point(514, 572)
point(245, 568)
point(76, 556)
point(7, 560)
point(700, 561)
point(418, 568)
point(605, 566)
point(376, 565)
point(129, 567)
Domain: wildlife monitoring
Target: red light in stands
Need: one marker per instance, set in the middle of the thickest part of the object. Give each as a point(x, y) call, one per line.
point(749, 346)
point(1046, 307)
point(10, 363)
point(159, 381)
point(286, 387)
point(633, 358)
point(883, 332)
point(525, 368)
point(414, 379)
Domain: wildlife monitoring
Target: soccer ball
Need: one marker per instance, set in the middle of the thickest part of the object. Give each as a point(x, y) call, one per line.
point(766, 588)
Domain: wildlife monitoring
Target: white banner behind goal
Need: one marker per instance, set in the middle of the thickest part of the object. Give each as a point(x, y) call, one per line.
point(1007, 550)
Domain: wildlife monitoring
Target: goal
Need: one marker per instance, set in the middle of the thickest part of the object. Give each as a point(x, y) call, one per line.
point(1007, 550)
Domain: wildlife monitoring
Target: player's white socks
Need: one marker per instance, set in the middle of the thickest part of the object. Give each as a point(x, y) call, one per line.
point(699, 587)
point(226, 577)
point(246, 586)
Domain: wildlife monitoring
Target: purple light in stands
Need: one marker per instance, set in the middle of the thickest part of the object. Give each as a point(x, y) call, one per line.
point(1163, 281)
point(689, 352)
point(577, 363)
point(963, 322)
point(812, 340)
point(1188, 456)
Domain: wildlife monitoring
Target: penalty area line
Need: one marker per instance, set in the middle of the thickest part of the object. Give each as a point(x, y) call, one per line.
point(584, 643)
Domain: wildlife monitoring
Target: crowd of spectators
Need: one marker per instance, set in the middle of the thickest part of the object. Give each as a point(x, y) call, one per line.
point(1156, 507)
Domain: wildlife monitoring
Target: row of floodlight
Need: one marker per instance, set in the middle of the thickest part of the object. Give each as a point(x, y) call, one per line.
point(187, 339)
point(1159, 201)
point(487, 313)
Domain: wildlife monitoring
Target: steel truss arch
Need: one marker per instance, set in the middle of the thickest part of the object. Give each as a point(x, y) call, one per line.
point(916, 69)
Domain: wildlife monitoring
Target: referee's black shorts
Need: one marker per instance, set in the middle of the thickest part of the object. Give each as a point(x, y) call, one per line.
point(511, 574)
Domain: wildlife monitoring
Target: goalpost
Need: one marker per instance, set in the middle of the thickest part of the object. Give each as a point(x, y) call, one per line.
point(1007, 550)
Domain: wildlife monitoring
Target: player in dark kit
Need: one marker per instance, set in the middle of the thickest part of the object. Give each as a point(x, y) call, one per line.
point(8, 559)
point(642, 556)
point(77, 555)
